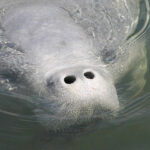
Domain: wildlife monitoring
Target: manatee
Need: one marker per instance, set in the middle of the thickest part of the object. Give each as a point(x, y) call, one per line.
point(69, 55)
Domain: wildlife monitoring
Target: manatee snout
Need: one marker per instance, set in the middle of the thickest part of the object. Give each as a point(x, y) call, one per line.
point(69, 77)
point(78, 94)
point(83, 86)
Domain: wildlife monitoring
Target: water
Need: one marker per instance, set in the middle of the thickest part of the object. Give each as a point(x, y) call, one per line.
point(130, 129)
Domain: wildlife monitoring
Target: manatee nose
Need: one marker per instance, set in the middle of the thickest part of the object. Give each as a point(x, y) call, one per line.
point(70, 79)
point(82, 87)
point(70, 76)
point(89, 75)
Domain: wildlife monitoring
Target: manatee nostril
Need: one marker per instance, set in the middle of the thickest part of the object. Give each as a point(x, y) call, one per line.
point(89, 75)
point(70, 79)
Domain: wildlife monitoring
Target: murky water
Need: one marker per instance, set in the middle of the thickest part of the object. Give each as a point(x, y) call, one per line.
point(130, 129)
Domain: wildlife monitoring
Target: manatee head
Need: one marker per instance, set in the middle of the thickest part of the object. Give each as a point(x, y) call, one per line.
point(74, 95)
point(66, 91)
point(52, 59)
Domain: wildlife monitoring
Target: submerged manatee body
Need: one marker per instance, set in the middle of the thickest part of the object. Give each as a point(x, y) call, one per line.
point(58, 50)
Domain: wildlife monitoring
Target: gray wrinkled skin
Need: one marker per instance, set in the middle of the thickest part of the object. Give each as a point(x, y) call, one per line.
point(42, 42)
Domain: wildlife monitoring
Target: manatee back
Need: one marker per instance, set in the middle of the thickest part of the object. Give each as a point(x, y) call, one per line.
point(40, 27)
point(107, 25)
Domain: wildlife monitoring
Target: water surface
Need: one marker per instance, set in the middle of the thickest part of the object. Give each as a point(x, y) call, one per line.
point(130, 129)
